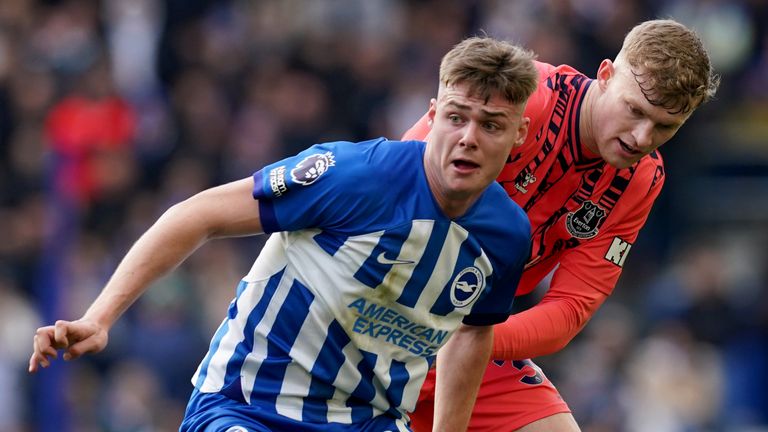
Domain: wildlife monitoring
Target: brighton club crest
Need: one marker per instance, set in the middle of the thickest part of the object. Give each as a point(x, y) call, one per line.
point(467, 286)
point(311, 168)
point(583, 222)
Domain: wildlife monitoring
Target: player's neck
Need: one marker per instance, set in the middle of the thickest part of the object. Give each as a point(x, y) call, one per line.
point(453, 204)
point(587, 121)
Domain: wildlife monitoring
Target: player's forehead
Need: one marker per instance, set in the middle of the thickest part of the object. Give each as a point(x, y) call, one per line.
point(631, 92)
point(460, 97)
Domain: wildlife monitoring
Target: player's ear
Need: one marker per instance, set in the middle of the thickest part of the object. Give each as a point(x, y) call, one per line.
point(432, 111)
point(605, 72)
point(522, 131)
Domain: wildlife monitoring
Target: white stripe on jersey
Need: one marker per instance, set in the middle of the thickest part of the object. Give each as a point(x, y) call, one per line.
point(414, 386)
point(412, 250)
point(254, 359)
point(270, 261)
point(381, 370)
point(297, 380)
point(215, 378)
point(442, 273)
point(348, 377)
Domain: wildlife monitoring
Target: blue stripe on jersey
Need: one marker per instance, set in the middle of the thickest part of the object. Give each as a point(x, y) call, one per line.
point(423, 271)
point(443, 306)
point(364, 392)
point(293, 312)
point(400, 376)
point(330, 243)
point(235, 363)
point(216, 341)
point(329, 362)
point(372, 272)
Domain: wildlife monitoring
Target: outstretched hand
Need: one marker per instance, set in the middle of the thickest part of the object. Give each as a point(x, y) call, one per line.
point(74, 337)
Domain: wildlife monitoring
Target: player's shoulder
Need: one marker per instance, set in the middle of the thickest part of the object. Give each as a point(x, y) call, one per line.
point(553, 81)
point(547, 70)
point(503, 214)
point(377, 165)
point(502, 227)
point(393, 160)
point(379, 155)
point(649, 171)
point(382, 150)
point(645, 180)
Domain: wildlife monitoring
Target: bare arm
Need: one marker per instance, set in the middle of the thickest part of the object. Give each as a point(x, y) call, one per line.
point(461, 364)
point(224, 211)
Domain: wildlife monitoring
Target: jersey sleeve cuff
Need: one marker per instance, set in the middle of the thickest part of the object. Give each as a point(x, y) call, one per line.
point(266, 207)
point(485, 319)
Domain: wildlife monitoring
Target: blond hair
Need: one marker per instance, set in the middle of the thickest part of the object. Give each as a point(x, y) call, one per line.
point(670, 64)
point(489, 66)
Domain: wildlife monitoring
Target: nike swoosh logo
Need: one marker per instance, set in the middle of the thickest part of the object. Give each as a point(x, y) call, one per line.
point(384, 260)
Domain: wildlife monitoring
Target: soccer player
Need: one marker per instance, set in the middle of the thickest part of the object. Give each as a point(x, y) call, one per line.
point(587, 176)
point(382, 252)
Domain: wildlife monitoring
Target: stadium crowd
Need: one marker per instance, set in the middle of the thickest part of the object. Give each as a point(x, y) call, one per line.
point(112, 110)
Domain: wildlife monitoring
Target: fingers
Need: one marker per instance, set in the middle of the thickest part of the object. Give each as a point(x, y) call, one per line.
point(75, 337)
point(37, 359)
point(61, 330)
point(82, 347)
point(42, 347)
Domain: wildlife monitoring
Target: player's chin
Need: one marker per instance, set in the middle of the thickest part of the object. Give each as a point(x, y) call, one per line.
point(466, 186)
point(622, 161)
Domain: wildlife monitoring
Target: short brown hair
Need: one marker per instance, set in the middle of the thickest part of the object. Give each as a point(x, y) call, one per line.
point(670, 64)
point(490, 66)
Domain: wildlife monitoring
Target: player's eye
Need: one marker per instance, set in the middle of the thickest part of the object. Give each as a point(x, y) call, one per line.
point(666, 127)
point(491, 126)
point(454, 118)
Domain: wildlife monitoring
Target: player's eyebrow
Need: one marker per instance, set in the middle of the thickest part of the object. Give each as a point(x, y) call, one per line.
point(645, 113)
point(485, 112)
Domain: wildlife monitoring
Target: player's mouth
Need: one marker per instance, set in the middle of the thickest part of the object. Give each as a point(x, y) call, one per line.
point(627, 149)
point(464, 166)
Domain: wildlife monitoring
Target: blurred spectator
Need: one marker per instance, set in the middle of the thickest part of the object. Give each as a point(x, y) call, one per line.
point(148, 102)
point(675, 383)
point(19, 320)
point(90, 132)
point(597, 390)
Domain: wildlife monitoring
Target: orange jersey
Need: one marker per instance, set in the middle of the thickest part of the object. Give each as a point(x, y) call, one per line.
point(585, 214)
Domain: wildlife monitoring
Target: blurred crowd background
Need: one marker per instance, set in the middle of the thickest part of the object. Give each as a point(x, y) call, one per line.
point(112, 110)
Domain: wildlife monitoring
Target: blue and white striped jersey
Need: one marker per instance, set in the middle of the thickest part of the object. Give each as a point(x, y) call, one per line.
point(363, 280)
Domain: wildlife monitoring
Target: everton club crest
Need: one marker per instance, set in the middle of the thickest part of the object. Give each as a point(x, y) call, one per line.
point(583, 222)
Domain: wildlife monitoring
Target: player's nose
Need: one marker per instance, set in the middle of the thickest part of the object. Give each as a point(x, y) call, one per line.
point(643, 134)
point(469, 137)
